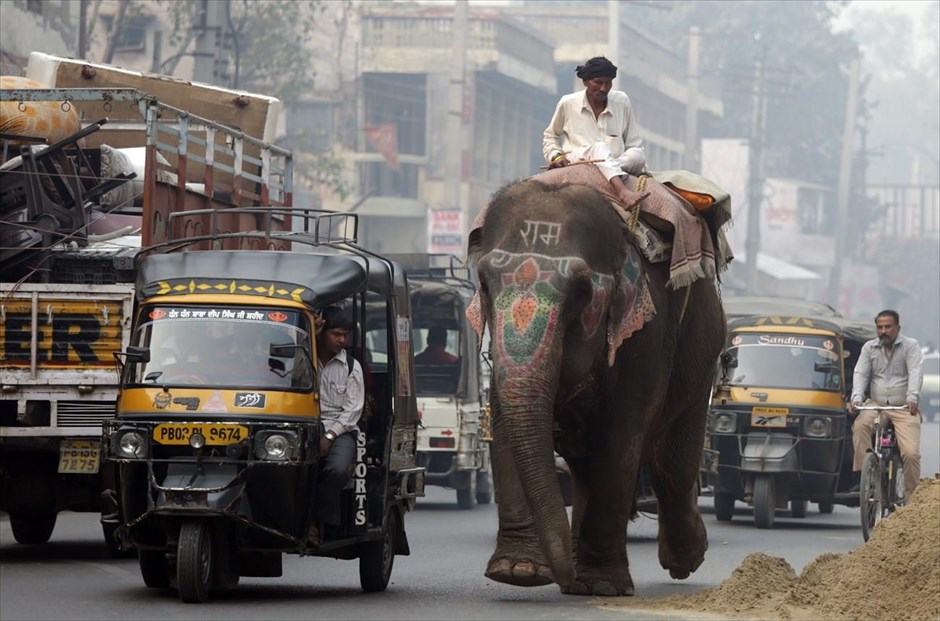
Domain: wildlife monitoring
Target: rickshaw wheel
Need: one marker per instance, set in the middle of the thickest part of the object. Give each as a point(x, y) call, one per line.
point(378, 557)
point(154, 569)
point(724, 507)
point(467, 495)
point(871, 500)
point(194, 562)
point(826, 507)
point(798, 508)
point(764, 501)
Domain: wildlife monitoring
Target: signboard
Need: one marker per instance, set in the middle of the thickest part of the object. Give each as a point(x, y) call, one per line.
point(445, 232)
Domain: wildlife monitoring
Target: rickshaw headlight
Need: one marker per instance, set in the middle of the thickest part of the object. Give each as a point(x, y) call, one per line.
point(723, 423)
point(817, 427)
point(276, 445)
point(132, 444)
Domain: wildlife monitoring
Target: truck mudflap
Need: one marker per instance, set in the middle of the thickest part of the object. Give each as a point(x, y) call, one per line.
point(770, 453)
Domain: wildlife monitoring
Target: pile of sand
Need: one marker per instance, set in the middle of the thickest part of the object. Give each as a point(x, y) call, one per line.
point(895, 575)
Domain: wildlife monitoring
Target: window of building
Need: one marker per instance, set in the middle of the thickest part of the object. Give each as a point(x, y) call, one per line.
point(400, 99)
point(133, 36)
point(34, 6)
point(310, 126)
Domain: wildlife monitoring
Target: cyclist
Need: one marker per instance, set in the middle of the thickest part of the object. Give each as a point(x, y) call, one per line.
point(889, 370)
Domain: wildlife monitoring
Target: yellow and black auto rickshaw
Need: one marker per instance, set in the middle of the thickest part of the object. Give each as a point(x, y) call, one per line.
point(217, 430)
point(778, 419)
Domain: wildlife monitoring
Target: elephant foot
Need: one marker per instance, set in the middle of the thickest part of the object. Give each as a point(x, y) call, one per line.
point(519, 572)
point(610, 582)
point(682, 550)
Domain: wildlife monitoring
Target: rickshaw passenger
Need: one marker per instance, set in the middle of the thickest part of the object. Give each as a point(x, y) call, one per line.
point(342, 396)
point(889, 369)
point(436, 350)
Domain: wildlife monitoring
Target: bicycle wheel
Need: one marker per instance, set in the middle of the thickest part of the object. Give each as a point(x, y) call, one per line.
point(895, 483)
point(870, 494)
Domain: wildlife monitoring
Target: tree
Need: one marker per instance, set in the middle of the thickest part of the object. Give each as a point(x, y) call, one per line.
point(805, 73)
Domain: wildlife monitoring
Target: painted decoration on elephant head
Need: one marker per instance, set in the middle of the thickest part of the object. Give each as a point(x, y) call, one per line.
point(525, 311)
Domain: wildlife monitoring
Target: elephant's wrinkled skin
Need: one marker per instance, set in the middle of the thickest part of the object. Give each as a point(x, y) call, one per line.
point(550, 297)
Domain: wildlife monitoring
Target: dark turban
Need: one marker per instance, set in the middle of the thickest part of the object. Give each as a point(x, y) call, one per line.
point(597, 67)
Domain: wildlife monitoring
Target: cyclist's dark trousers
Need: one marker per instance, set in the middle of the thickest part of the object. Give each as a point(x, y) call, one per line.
point(334, 474)
point(907, 431)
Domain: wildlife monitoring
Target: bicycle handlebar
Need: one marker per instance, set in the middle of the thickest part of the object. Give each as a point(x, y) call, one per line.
point(883, 408)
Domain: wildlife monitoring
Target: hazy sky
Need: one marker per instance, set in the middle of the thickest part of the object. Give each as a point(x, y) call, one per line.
point(924, 44)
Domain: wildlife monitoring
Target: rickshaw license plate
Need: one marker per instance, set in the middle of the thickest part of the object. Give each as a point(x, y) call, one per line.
point(762, 416)
point(79, 457)
point(217, 434)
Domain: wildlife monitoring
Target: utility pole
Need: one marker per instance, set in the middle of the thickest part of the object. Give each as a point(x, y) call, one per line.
point(207, 42)
point(82, 28)
point(755, 173)
point(691, 104)
point(613, 31)
point(455, 112)
point(845, 179)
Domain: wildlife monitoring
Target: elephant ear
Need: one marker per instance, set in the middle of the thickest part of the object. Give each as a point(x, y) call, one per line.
point(475, 317)
point(631, 306)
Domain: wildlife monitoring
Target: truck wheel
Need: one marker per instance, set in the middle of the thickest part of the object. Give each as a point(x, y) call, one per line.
point(484, 487)
point(764, 501)
point(467, 491)
point(826, 507)
point(377, 557)
point(31, 529)
point(154, 569)
point(724, 507)
point(194, 561)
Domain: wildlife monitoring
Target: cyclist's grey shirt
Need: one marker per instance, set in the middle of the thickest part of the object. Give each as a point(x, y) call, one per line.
point(892, 381)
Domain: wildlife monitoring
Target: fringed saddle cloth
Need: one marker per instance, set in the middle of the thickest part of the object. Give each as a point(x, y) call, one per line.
point(674, 215)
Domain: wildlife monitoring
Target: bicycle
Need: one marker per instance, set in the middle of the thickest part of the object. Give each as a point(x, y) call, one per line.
point(881, 490)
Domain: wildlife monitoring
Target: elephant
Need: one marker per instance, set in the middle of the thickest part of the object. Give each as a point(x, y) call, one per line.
point(594, 356)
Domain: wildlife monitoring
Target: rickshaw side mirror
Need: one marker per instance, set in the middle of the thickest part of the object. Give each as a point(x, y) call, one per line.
point(282, 351)
point(137, 354)
point(277, 365)
point(728, 361)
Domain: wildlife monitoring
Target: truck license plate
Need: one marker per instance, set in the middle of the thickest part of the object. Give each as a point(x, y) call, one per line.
point(215, 433)
point(79, 457)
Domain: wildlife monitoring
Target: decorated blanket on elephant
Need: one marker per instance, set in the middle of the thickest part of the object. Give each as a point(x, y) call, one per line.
point(527, 315)
point(666, 223)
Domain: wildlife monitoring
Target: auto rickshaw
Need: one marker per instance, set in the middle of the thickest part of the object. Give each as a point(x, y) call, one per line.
point(452, 443)
point(778, 418)
point(217, 429)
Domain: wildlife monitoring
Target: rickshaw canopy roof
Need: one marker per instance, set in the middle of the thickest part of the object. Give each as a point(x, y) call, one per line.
point(315, 280)
point(742, 306)
point(848, 329)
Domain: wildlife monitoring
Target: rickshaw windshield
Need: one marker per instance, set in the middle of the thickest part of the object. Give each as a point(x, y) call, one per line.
point(806, 362)
point(437, 360)
point(224, 346)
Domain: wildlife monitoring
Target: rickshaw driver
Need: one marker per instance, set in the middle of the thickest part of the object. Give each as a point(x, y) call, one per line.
point(342, 396)
point(889, 368)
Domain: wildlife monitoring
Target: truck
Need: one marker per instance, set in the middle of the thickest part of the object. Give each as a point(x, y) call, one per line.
point(453, 432)
point(74, 215)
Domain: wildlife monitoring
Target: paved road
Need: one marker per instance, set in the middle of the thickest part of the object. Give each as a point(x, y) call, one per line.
point(73, 578)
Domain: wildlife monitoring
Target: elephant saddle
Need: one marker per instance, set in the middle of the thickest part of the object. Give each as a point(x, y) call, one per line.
point(663, 223)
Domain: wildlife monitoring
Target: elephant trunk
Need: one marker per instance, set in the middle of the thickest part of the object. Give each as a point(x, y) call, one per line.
point(526, 419)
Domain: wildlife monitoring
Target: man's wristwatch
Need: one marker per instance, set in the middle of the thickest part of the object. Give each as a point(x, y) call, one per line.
point(330, 436)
